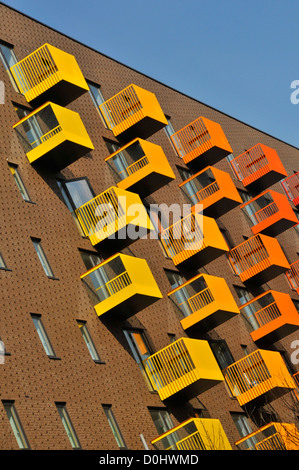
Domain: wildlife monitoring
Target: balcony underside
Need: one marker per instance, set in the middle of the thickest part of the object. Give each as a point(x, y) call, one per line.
point(119, 240)
point(208, 158)
point(62, 93)
point(278, 331)
point(262, 182)
point(190, 391)
point(144, 129)
point(262, 277)
point(218, 208)
point(273, 226)
point(199, 322)
point(197, 259)
point(147, 184)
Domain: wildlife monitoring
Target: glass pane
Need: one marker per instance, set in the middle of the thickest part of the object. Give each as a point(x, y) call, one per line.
point(7, 56)
point(88, 341)
point(15, 426)
point(90, 259)
point(114, 427)
point(96, 94)
point(42, 258)
point(43, 336)
point(68, 426)
point(79, 191)
point(19, 182)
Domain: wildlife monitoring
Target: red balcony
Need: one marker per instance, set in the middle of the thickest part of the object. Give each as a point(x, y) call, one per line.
point(269, 213)
point(214, 189)
point(270, 317)
point(258, 260)
point(293, 276)
point(258, 168)
point(291, 187)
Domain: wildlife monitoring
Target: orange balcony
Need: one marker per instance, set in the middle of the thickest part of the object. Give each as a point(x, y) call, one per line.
point(214, 189)
point(258, 168)
point(201, 143)
point(203, 303)
point(258, 259)
point(133, 112)
point(194, 240)
point(293, 276)
point(141, 167)
point(291, 187)
point(269, 213)
point(270, 317)
point(261, 376)
point(272, 436)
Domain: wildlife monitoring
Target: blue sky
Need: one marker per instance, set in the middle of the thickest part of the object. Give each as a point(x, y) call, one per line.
point(239, 57)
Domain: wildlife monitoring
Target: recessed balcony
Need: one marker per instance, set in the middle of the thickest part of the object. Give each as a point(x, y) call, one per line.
point(270, 317)
point(183, 369)
point(53, 137)
point(121, 286)
point(201, 143)
point(258, 168)
point(259, 377)
point(272, 436)
point(115, 218)
point(141, 167)
point(194, 434)
point(49, 74)
point(133, 112)
point(258, 259)
point(214, 189)
point(269, 213)
point(193, 241)
point(291, 187)
point(203, 303)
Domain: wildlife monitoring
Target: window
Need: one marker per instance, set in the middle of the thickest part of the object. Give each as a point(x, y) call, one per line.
point(140, 349)
point(114, 426)
point(97, 97)
point(90, 259)
point(2, 263)
point(88, 341)
point(163, 423)
point(158, 222)
point(245, 196)
point(18, 180)
point(15, 424)
point(185, 174)
point(242, 424)
point(9, 59)
point(174, 278)
point(42, 335)
point(243, 294)
point(222, 353)
point(169, 129)
point(41, 256)
point(69, 429)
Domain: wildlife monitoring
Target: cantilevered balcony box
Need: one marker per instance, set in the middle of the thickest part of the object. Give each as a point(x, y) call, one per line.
point(193, 241)
point(133, 112)
point(121, 286)
point(214, 189)
point(258, 259)
point(194, 434)
point(270, 317)
point(201, 143)
point(269, 213)
point(258, 168)
point(272, 436)
point(141, 167)
point(53, 137)
point(115, 218)
point(49, 74)
point(203, 303)
point(291, 187)
point(183, 369)
point(259, 377)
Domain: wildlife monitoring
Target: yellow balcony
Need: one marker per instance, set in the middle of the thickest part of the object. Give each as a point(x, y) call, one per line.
point(115, 217)
point(183, 369)
point(194, 434)
point(49, 74)
point(121, 286)
point(259, 377)
point(53, 137)
point(270, 317)
point(141, 167)
point(214, 189)
point(272, 436)
point(133, 112)
point(201, 143)
point(193, 241)
point(203, 303)
point(258, 259)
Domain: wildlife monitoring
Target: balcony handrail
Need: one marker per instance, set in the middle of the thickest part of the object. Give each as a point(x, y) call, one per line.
point(291, 186)
point(293, 275)
point(265, 315)
point(34, 69)
point(248, 255)
point(266, 212)
point(191, 442)
point(212, 188)
point(192, 136)
point(122, 106)
point(174, 239)
point(253, 161)
point(273, 442)
point(135, 166)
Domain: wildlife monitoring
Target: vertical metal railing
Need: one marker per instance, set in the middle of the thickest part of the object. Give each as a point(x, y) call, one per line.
point(207, 191)
point(263, 316)
point(192, 442)
point(265, 212)
point(252, 164)
point(291, 187)
point(191, 137)
point(251, 256)
point(293, 275)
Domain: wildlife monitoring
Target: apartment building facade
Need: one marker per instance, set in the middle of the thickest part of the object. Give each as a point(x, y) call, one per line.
point(119, 334)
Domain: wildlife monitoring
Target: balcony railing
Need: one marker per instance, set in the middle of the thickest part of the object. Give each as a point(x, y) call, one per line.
point(291, 187)
point(141, 167)
point(203, 303)
point(259, 376)
point(293, 275)
point(201, 143)
point(194, 434)
point(53, 137)
point(270, 317)
point(259, 167)
point(296, 380)
point(108, 218)
point(133, 112)
point(49, 74)
point(121, 286)
point(193, 240)
point(183, 369)
point(214, 189)
point(258, 259)
point(272, 436)
point(269, 213)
